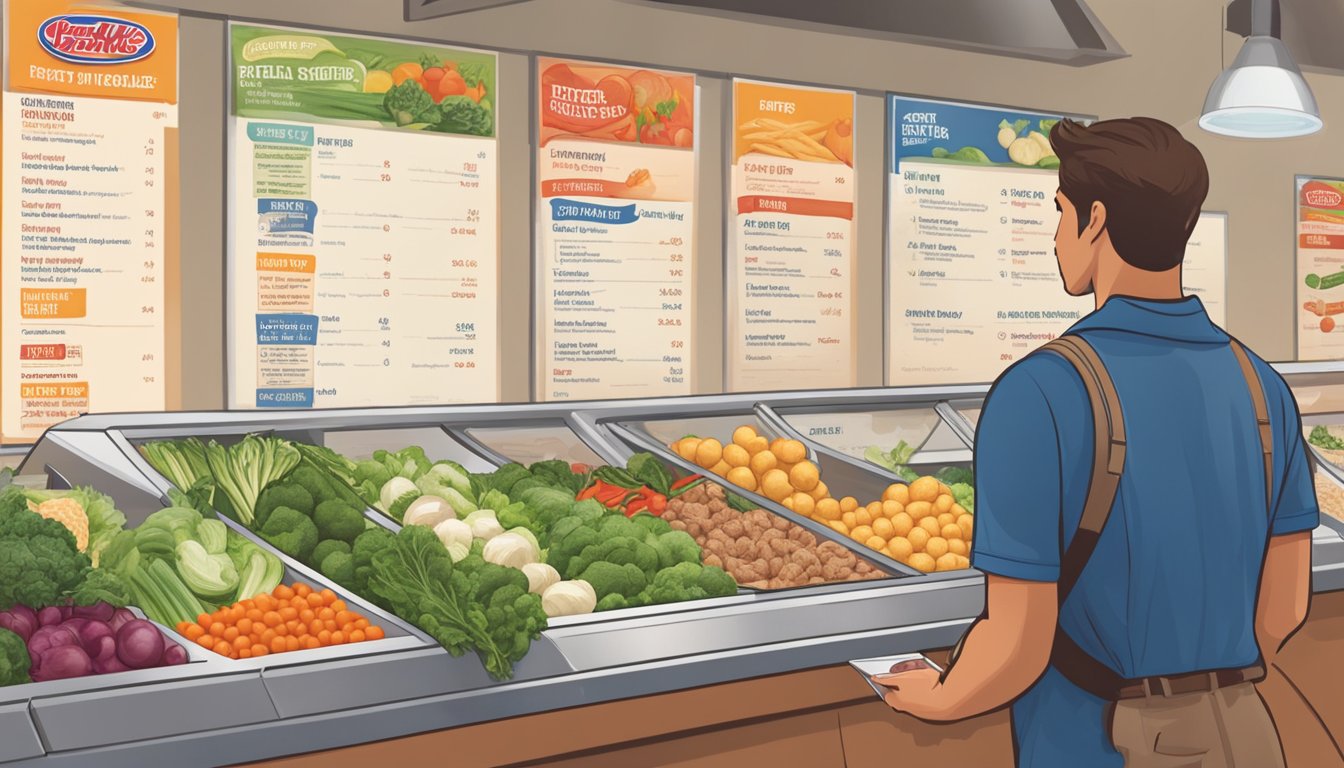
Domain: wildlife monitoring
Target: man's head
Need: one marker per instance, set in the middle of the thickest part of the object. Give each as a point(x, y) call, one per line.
point(1131, 188)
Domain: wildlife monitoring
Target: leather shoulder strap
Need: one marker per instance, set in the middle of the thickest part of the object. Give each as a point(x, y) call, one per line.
point(1266, 432)
point(1108, 459)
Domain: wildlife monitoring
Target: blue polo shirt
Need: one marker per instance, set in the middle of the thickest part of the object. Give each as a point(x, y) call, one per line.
point(1171, 587)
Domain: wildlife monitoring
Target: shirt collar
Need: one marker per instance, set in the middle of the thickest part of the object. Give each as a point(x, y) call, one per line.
point(1177, 320)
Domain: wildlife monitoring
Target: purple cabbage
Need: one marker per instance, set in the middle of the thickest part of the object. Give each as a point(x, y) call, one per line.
point(140, 644)
point(49, 616)
point(60, 662)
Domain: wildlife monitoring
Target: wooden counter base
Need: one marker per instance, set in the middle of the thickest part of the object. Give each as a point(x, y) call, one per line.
point(824, 718)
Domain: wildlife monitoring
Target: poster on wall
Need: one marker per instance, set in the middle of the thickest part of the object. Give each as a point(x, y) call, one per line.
point(1204, 270)
point(614, 254)
point(791, 277)
point(972, 279)
point(1320, 268)
point(363, 263)
point(89, 155)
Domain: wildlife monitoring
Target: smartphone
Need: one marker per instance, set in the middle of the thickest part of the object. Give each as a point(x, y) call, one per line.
point(884, 665)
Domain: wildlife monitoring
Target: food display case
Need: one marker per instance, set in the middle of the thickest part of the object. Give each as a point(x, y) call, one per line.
point(406, 684)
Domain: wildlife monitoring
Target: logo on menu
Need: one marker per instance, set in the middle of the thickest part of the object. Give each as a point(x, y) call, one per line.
point(86, 39)
point(1323, 198)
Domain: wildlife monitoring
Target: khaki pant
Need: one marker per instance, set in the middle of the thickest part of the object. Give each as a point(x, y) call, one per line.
point(1228, 728)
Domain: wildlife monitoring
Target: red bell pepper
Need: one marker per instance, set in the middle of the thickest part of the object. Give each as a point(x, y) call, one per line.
point(589, 492)
point(657, 504)
point(636, 506)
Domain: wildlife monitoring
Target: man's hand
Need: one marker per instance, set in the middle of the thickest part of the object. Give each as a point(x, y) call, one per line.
point(915, 693)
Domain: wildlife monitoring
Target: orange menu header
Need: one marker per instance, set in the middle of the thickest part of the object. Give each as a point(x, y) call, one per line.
point(83, 49)
point(793, 122)
point(616, 104)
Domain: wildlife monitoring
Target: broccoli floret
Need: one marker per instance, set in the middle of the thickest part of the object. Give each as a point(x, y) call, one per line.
point(614, 526)
point(370, 471)
point(653, 526)
point(620, 550)
point(314, 482)
point(338, 520)
point(281, 495)
point(339, 567)
point(514, 618)
point(574, 541)
point(102, 586)
point(612, 602)
point(291, 532)
point(14, 659)
point(39, 560)
point(408, 102)
point(489, 578)
point(326, 547)
point(688, 581)
point(609, 578)
point(676, 547)
point(368, 544)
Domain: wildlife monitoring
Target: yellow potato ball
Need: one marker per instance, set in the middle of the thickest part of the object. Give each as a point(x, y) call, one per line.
point(958, 547)
point(756, 445)
point(951, 531)
point(775, 444)
point(902, 524)
point(787, 503)
point(883, 527)
point(839, 527)
point(876, 543)
point(743, 435)
point(775, 485)
point(709, 452)
point(829, 509)
point(947, 518)
point(918, 510)
point(922, 562)
point(742, 477)
point(736, 455)
point(874, 508)
point(936, 547)
point(958, 510)
point(849, 519)
point(792, 452)
point(721, 469)
point(804, 476)
point(963, 561)
point(899, 549)
point(688, 447)
point(861, 533)
point(947, 562)
point(918, 538)
point(892, 508)
point(763, 462)
point(821, 492)
point(863, 516)
point(931, 525)
point(942, 504)
point(943, 490)
point(849, 504)
point(924, 489)
point(782, 467)
point(803, 504)
point(897, 492)
point(967, 525)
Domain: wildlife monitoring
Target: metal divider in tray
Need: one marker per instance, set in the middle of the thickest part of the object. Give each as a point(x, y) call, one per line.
point(840, 472)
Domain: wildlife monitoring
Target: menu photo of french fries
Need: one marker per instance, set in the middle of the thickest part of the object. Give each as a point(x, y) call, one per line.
point(805, 140)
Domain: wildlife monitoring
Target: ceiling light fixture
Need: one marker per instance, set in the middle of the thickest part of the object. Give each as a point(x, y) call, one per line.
point(1263, 94)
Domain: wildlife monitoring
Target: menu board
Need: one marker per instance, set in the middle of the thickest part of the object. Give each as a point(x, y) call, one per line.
point(363, 266)
point(1320, 268)
point(89, 151)
point(616, 222)
point(1204, 270)
point(791, 277)
point(973, 281)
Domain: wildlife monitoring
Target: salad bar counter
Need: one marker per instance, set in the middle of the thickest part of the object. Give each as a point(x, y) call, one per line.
point(316, 580)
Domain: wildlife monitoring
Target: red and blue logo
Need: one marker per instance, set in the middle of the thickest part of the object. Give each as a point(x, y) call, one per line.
point(88, 39)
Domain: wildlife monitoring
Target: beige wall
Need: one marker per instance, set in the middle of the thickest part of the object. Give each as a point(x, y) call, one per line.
point(1176, 49)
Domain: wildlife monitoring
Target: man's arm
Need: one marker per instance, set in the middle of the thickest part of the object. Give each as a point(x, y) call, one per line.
point(1003, 656)
point(1285, 592)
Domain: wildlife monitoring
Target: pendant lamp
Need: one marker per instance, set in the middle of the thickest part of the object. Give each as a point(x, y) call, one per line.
point(1263, 94)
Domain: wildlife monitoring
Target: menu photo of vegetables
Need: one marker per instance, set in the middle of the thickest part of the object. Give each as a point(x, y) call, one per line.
point(360, 80)
point(974, 135)
point(1320, 268)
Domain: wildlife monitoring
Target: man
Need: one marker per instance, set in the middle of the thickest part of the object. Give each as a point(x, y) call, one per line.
point(1191, 573)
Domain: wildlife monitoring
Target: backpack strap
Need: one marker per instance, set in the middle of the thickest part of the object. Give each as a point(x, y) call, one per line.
point(1257, 391)
point(1108, 456)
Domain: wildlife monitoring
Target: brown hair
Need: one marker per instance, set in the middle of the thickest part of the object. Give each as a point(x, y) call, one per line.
point(1151, 180)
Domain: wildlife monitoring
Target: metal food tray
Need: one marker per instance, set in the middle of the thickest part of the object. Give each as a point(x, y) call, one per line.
point(1328, 520)
point(944, 416)
point(637, 438)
